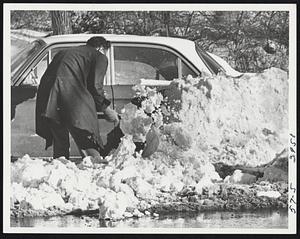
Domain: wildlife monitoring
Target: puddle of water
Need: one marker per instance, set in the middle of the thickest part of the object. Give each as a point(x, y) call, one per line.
point(257, 219)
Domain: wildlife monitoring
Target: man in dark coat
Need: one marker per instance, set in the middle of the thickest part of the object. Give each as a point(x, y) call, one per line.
point(68, 98)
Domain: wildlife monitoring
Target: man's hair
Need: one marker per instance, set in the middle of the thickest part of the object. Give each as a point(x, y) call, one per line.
point(98, 42)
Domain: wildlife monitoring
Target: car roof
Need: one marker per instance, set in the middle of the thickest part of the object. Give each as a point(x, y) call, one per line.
point(170, 41)
point(184, 46)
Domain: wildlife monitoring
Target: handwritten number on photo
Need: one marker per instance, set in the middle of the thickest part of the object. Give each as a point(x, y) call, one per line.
point(293, 189)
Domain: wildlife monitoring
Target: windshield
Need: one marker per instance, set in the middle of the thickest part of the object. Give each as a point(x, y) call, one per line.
point(210, 63)
point(26, 55)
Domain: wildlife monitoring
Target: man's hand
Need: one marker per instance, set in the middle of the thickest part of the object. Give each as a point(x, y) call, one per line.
point(110, 115)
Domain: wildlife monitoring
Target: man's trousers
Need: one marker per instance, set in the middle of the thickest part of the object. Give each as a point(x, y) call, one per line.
point(84, 141)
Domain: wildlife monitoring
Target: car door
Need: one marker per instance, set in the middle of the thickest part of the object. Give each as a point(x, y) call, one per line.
point(148, 64)
point(23, 98)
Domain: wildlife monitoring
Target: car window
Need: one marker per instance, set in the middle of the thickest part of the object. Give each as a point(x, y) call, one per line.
point(26, 55)
point(186, 70)
point(133, 63)
point(35, 75)
point(209, 61)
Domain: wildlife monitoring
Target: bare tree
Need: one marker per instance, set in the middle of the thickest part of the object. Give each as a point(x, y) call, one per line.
point(61, 22)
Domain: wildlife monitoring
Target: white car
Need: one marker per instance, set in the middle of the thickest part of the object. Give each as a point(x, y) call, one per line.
point(153, 61)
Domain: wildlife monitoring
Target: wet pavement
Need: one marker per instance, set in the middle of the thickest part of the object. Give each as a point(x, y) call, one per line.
point(247, 219)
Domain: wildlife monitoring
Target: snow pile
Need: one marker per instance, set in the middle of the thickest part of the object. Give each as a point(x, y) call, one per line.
point(234, 120)
point(28, 174)
point(126, 187)
point(59, 184)
point(251, 115)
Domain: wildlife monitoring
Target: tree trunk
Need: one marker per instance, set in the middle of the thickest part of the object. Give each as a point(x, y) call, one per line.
point(61, 22)
point(166, 20)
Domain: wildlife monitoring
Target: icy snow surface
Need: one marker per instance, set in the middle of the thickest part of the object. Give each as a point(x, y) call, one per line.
point(218, 119)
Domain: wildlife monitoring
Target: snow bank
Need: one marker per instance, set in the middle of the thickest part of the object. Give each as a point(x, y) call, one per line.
point(236, 121)
point(126, 187)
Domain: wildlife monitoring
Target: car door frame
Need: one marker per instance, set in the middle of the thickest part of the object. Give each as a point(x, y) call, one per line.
point(47, 50)
point(181, 58)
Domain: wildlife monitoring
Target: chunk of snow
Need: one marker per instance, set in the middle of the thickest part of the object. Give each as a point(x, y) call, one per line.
point(241, 178)
point(270, 194)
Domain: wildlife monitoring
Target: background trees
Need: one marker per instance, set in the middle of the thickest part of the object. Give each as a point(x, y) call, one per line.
point(249, 40)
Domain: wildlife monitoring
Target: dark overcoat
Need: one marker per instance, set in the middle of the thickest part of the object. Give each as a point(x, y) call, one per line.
point(71, 92)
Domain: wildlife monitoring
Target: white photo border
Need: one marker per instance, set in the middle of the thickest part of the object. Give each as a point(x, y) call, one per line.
point(7, 7)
